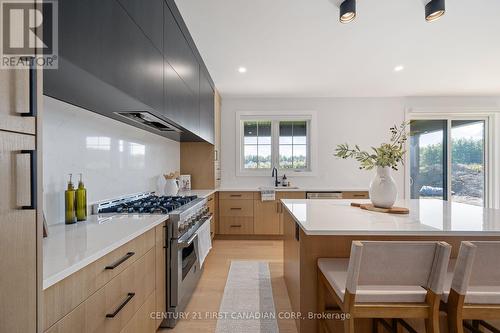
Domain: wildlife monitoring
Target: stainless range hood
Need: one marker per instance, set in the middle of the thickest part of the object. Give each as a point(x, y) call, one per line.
point(147, 119)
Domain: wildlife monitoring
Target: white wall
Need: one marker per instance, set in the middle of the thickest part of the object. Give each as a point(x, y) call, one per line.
point(122, 161)
point(363, 121)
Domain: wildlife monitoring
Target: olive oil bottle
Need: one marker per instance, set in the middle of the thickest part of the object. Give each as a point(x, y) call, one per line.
point(69, 202)
point(81, 201)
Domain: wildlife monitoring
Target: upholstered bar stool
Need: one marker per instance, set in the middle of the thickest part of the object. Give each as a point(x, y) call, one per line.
point(472, 291)
point(385, 280)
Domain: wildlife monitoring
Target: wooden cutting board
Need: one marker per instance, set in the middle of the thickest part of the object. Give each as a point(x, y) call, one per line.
point(370, 207)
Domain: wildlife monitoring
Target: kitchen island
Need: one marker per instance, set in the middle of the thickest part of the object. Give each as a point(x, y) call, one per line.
point(326, 228)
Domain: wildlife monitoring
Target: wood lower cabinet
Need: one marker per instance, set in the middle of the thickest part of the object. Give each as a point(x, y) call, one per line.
point(110, 308)
point(287, 195)
point(212, 204)
point(355, 195)
point(63, 297)
point(74, 322)
point(124, 303)
point(236, 213)
point(244, 213)
point(161, 271)
point(236, 208)
point(266, 217)
point(142, 322)
point(236, 225)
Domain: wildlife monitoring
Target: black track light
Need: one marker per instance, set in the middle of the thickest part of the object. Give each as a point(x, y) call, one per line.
point(347, 11)
point(434, 10)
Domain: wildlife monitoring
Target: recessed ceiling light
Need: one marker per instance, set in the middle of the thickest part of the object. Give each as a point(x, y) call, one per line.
point(242, 69)
point(399, 68)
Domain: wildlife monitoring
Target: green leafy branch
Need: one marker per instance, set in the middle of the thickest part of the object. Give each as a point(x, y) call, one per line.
point(387, 155)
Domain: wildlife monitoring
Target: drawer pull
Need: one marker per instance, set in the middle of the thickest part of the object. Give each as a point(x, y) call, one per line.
point(210, 199)
point(235, 225)
point(235, 208)
point(359, 195)
point(235, 195)
point(33, 178)
point(118, 309)
point(120, 261)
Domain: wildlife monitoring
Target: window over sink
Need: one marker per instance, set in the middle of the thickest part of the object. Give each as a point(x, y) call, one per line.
point(274, 141)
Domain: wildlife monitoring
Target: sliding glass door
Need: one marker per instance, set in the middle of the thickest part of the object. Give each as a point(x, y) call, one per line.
point(468, 161)
point(447, 160)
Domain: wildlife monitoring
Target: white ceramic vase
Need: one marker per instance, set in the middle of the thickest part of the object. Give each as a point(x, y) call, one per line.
point(383, 189)
point(171, 187)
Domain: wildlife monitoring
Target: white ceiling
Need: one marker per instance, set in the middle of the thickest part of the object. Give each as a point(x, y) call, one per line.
point(298, 48)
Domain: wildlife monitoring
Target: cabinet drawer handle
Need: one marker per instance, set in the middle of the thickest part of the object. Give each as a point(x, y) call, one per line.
point(359, 195)
point(235, 195)
point(33, 179)
point(210, 199)
point(120, 261)
point(118, 309)
point(235, 226)
point(235, 208)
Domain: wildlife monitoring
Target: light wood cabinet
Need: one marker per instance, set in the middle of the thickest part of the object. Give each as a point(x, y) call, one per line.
point(236, 225)
point(212, 204)
point(119, 303)
point(161, 272)
point(121, 297)
point(244, 213)
point(142, 321)
point(63, 297)
point(18, 236)
point(287, 195)
point(266, 217)
point(74, 322)
point(14, 101)
point(231, 195)
point(236, 208)
point(355, 195)
point(20, 200)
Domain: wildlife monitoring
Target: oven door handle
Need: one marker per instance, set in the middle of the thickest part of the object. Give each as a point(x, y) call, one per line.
point(188, 242)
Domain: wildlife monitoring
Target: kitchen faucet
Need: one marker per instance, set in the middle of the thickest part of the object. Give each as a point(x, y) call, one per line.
point(275, 175)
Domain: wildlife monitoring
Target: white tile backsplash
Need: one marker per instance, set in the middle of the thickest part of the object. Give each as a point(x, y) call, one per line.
point(115, 158)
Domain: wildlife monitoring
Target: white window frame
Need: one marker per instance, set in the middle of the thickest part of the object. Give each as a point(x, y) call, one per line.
point(275, 117)
point(491, 159)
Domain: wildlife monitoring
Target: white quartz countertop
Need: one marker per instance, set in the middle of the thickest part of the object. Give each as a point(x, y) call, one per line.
point(427, 217)
point(290, 189)
point(199, 193)
point(69, 248)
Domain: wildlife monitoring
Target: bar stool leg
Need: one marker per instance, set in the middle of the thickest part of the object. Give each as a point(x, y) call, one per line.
point(375, 325)
point(454, 307)
point(432, 322)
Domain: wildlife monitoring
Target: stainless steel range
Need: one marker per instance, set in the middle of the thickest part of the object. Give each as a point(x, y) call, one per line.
point(186, 215)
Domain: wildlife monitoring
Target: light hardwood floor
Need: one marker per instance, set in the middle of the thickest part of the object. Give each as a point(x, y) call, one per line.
point(208, 294)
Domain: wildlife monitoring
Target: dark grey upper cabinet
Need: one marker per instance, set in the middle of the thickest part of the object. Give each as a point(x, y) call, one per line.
point(132, 55)
point(148, 14)
point(80, 33)
point(206, 110)
point(131, 62)
point(179, 54)
point(181, 105)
